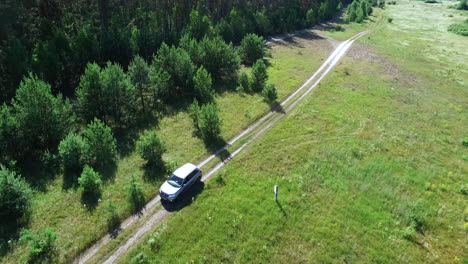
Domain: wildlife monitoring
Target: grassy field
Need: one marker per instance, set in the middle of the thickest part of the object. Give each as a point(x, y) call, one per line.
point(371, 167)
point(59, 207)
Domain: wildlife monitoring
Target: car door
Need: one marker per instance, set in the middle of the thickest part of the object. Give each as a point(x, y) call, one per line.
point(188, 180)
point(191, 177)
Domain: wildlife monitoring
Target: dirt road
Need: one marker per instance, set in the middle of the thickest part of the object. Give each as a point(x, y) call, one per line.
point(154, 214)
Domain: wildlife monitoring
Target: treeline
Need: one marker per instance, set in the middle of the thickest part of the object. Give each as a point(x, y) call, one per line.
point(56, 39)
point(35, 121)
point(359, 10)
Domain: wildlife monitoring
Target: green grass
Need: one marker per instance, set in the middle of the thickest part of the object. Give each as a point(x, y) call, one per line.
point(460, 29)
point(371, 167)
point(77, 227)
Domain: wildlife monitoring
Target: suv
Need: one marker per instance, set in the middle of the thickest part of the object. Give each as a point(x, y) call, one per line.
point(179, 181)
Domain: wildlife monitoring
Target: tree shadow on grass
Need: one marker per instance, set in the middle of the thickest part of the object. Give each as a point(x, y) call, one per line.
point(333, 27)
point(174, 107)
point(107, 171)
point(267, 62)
point(225, 86)
point(154, 172)
point(184, 199)
point(4, 245)
point(127, 136)
point(90, 199)
point(218, 146)
point(126, 141)
point(114, 231)
point(291, 40)
point(70, 179)
point(37, 173)
point(330, 24)
point(70, 176)
point(10, 231)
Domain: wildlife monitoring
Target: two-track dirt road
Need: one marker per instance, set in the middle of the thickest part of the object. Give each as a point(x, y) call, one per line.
point(154, 214)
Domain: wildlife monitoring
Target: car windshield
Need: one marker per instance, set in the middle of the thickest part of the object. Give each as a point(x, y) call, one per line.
point(175, 181)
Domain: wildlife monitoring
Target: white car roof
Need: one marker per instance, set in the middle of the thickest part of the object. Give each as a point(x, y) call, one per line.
point(185, 170)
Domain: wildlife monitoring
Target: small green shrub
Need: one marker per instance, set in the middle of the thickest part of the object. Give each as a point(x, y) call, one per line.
point(460, 29)
point(417, 215)
point(252, 48)
point(247, 113)
point(209, 122)
point(259, 76)
point(360, 16)
point(245, 83)
point(71, 150)
point(206, 120)
point(15, 202)
point(90, 182)
point(101, 146)
point(151, 147)
point(464, 189)
point(41, 246)
point(270, 93)
point(112, 216)
point(390, 20)
point(154, 241)
point(464, 142)
point(172, 165)
point(311, 17)
point(431, 2)
point(240, 90)
point(141, 258)
point(409, 233)
point(194, 113)
point(135, 194)
point(339, 6)
point(202, 86)
point(219, 180)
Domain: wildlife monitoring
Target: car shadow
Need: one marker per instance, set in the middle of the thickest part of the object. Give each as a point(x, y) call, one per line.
point(185, 199)
point(277, 107)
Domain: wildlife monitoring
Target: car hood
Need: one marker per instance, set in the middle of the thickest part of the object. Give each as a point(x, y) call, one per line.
point(169, 189)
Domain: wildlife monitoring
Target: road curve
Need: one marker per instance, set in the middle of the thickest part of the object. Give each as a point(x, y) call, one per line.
point(339, 52)
point(254, 130)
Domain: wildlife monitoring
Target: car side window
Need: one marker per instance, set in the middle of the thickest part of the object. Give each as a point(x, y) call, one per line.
point(195, 172)
point(191, 175)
